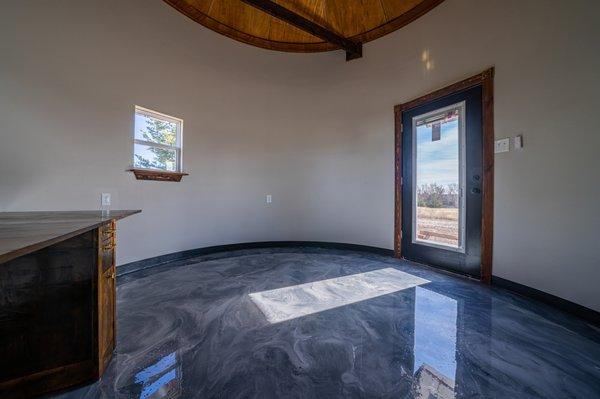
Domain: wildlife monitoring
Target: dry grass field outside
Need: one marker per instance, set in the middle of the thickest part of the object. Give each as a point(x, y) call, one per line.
point(439, 225)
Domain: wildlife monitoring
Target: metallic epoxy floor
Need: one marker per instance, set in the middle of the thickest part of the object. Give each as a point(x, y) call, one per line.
point(189, 329)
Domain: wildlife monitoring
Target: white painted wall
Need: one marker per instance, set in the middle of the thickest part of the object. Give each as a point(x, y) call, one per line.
point(310, 129)
point(547, 85)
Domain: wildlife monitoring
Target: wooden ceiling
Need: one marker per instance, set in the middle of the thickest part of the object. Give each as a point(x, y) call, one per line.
point(358, 20)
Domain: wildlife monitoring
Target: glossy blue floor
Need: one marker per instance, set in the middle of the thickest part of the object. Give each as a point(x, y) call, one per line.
point(306, 322)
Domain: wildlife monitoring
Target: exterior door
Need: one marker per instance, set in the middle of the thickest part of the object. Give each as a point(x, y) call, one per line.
point(442, 176)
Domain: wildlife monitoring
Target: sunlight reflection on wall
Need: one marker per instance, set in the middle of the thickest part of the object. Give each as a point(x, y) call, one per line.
point(427, 60)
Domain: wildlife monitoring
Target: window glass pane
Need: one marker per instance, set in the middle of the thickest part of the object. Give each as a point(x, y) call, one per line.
point(155, 130)
point(149, 157)
point(437, 178)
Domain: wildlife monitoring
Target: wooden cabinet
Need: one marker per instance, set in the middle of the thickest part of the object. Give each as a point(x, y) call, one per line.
point(107, 301)
point(57, 299)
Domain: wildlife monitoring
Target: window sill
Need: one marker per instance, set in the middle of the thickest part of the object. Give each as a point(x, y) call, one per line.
point(157, 175)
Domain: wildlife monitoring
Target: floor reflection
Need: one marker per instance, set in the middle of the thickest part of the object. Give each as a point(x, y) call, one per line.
point(161, 380)
point(415, 333)
point(434, 344)
point(427, 345)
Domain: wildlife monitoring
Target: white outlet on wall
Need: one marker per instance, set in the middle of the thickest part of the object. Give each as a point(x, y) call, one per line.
point(269, 199)
point(105, 199)
point(502, 145)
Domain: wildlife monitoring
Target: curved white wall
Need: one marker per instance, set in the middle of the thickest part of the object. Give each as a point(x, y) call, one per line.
point(310, 129)
point(547, 84)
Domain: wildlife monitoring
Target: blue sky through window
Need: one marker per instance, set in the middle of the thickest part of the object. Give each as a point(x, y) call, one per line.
point(437, 161)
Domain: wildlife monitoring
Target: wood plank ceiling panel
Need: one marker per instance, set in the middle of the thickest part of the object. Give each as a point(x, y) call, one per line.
point(358, 20)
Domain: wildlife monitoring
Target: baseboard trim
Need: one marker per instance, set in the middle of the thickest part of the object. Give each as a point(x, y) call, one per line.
point(589, 315)
point(175, 256)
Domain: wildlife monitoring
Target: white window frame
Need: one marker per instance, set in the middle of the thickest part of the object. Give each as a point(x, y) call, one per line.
point(178, 147)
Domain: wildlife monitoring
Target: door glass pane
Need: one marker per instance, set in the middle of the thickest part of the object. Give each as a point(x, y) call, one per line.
point(437, 167)
point(149, 157)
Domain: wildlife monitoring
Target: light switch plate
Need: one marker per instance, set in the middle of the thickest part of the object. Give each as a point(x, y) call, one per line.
point(269, 198)
point(519, 141)
point(502, 145)
point(105, 199)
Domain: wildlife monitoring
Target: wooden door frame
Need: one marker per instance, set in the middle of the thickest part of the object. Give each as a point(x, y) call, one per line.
point(484, 79)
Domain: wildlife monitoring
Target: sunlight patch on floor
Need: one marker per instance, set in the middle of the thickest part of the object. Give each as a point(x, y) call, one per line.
point(300, 300)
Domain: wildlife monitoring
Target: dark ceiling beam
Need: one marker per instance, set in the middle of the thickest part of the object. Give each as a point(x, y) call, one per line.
point(353, 50)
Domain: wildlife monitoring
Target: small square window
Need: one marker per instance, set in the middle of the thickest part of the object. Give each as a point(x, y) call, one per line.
point(157, 141)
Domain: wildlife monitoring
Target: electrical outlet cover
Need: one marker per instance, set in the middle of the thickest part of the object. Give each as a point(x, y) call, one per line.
point(105, 199)
point(502, 145)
